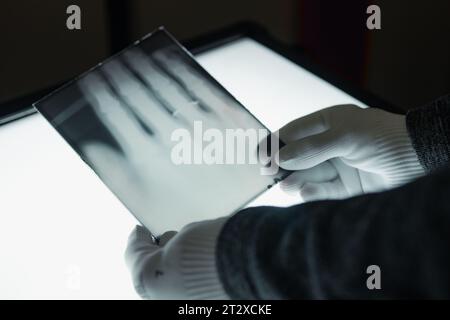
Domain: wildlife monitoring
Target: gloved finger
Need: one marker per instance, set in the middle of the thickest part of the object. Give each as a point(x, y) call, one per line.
point(321, 173)
point(312, 191)
point(349, 176)
point(300, 128)
point(141, 235)
point(165, 237)
point(309, 125)
point(140, 244)
point(311, 151)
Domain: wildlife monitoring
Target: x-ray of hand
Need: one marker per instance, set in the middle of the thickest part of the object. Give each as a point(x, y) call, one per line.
point(121, 117)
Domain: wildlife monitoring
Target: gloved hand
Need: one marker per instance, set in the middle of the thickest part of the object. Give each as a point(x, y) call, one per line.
point(178, 265)
point(344, 151)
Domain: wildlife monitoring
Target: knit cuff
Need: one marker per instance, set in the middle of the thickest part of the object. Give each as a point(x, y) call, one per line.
point(429, 127)
point(198, 263)
point(396, 156)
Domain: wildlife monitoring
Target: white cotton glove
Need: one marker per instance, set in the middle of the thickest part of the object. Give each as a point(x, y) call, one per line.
point(344, 151)
point(181, 266)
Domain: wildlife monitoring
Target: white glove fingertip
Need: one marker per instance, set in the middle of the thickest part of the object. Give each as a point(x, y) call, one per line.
point(165, 237)
point(323, 191)
point(140, 233)
point(290, 189)
point(311, 192)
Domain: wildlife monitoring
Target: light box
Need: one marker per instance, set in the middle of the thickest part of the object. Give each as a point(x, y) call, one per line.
point(63, 233)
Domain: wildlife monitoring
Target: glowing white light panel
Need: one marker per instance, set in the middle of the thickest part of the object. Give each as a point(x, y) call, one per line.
point(57, 245)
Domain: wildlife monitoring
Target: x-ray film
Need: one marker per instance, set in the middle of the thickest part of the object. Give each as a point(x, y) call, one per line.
point(165, 137)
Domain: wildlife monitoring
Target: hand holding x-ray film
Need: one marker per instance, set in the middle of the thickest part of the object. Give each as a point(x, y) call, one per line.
point(127, 118)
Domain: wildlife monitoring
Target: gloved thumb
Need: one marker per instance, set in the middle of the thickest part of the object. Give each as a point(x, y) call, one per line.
point(310, 151)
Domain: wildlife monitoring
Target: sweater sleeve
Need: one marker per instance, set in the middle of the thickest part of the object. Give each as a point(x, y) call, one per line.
point(321, 250)
point(429, 128)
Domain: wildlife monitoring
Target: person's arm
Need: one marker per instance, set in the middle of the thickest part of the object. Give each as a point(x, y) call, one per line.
point(429, 128)
point(321, 250)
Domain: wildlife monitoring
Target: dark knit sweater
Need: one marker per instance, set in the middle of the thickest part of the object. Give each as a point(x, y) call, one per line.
point(321, 250)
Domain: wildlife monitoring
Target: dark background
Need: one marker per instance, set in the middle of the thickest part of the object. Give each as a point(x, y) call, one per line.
point(406, 63)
